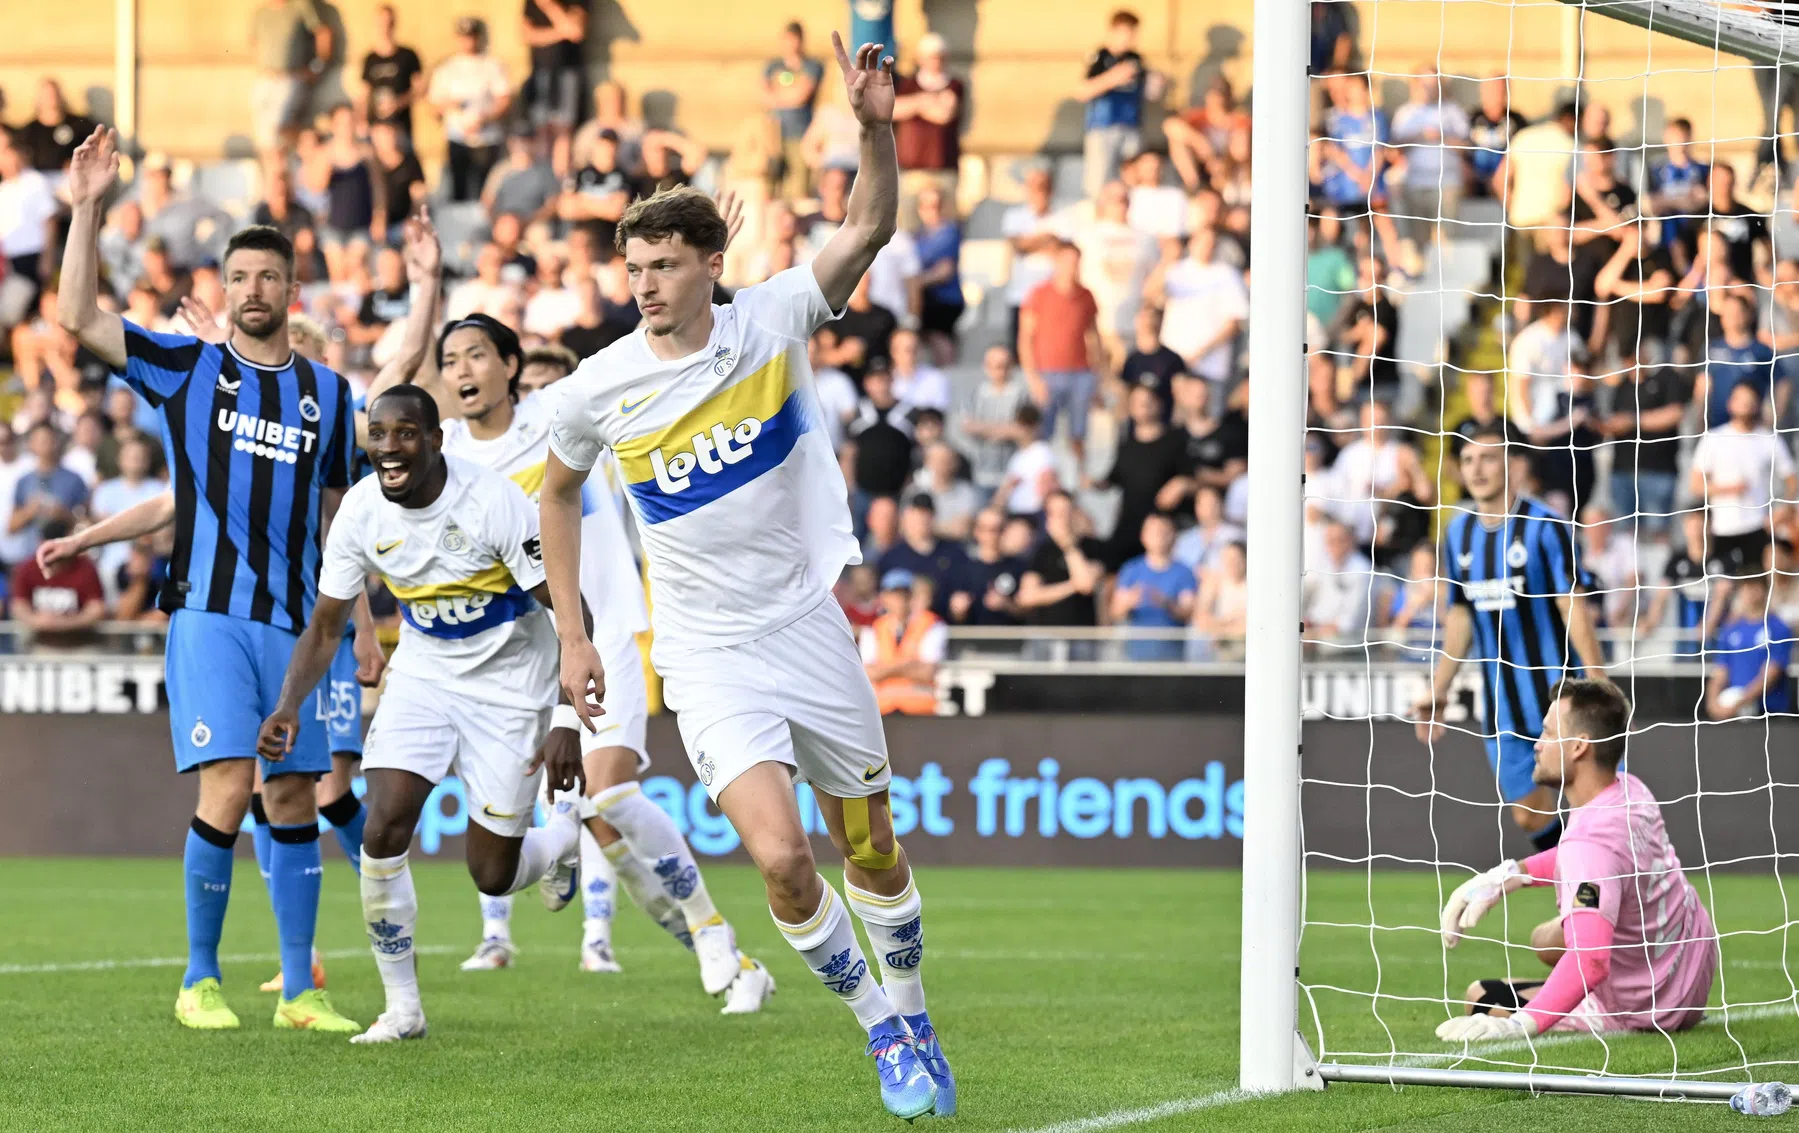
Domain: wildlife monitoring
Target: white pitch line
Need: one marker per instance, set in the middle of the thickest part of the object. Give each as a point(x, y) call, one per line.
point(1119, 1118)
point(181, 961)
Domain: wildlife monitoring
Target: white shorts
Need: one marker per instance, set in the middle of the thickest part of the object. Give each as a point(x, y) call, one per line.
point(627, 703)
point(798, 696)
point(421, 729)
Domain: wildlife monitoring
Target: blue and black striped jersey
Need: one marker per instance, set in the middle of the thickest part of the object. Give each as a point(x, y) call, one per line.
point(1510, 577)
point(251, 451)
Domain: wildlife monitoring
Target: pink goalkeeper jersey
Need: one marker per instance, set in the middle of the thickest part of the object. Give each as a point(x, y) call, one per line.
point(1615, 858)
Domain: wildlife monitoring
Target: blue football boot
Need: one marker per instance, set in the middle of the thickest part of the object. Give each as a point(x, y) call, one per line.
point(906, 1086)
point(930, 1052)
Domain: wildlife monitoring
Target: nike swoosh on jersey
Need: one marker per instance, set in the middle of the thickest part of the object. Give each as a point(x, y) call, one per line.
point(628, 407)
point(868, 776)
point(489, 811)
point(383, 548)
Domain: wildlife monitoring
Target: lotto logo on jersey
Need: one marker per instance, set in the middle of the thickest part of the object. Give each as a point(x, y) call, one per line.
point(269, 439)
point(461, 610)
point(710, 452)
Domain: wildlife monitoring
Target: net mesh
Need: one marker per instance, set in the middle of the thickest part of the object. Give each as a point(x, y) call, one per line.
point(1547, 219)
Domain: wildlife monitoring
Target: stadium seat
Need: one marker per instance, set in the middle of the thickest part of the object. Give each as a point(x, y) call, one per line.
point(461, 227)
point(983, 221)
point(234, 186)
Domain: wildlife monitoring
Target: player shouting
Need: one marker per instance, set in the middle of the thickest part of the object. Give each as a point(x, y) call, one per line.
point(1632, 946)
point(1513, 582)
point(718, 431)
point(259, 442)
point(471, 686)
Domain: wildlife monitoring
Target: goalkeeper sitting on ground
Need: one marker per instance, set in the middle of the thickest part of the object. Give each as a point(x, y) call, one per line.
point(1632, 947)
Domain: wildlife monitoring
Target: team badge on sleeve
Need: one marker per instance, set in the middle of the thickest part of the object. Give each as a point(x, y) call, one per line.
point(1587, 896)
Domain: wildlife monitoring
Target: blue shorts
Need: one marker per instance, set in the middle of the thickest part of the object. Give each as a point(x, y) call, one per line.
point(1514, 758)
point(338, 702)
point(224, 676)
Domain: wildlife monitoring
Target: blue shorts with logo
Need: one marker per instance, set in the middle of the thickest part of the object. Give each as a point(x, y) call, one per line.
point(224, 676)
point(1513, 758)
point(338, 702)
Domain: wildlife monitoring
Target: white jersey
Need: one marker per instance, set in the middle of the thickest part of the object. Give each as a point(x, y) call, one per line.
point(461, 570)
point(740, 501)
point(609, 579)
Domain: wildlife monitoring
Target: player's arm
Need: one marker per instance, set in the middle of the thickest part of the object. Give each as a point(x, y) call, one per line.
point(135, 521)
point(310, 662)
point(91, 171)
point(1577, 613)
point(873, 207)
point(424, 261)
point(559, 526)
point(1458, 635)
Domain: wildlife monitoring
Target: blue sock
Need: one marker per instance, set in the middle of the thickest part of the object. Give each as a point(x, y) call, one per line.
point(206, 864)
point(259, 836)
point(294, 877)
point(346, 817)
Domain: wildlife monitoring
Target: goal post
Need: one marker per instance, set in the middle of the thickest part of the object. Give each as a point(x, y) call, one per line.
point(1276, 1050)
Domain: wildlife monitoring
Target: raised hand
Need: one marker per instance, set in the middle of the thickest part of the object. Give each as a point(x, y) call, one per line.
point(200, 317)
point(421, 251)
point(95, 164)
point(730, 206)
point(869, 81)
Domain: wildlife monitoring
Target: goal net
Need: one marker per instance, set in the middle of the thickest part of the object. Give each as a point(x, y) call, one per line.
point(1572, 227)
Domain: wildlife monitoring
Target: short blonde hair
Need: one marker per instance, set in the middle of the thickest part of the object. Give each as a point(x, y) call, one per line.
point(306, 337)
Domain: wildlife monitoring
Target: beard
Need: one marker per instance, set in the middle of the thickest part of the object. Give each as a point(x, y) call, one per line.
point(260, 324)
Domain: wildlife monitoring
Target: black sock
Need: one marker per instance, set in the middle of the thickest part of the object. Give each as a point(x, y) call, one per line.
point(340, 811)
point(295, 835)
point(256, 811)
point(214, 835)
point(1549, 836)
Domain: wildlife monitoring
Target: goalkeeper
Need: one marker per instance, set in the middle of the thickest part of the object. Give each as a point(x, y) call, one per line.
point(1632, 947)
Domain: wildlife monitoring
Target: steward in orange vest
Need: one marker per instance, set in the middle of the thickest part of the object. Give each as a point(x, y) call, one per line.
point(902, 649)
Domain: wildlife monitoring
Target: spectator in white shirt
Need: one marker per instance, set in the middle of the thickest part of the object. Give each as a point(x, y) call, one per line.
point(837, 394)
point(1115, 261)
point(1337, 589)
point(1743, 472)
point(1157, 209)
point(917, 385)
point(1198, 547)
point(1542, 354)
point(985, 427)
point(954, 500)
point(132, 486)
point(1378, 482)
point(1204, 303)
point(1431, 133)
point(27, 203)
point(487, 293)
point(555, 306)
point(1610, 555)
point(1031, 473)
point(1033, 231)
point(470, 92)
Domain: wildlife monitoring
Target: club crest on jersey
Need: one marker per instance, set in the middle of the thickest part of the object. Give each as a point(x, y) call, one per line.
point(454, 540)
point(710, 452)
point(707, 769)
point(1516, 556)
point(309, 408)
point(724, 361)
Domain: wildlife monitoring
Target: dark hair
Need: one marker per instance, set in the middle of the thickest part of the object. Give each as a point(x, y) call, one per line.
point(1491, 432)
point(1599, 711)
point(1126, 17)
point(1029, 416)
point(423, 406)
point(1682, 124)
point(504, 339)
point(261, 238)
point(681, 211)
point(794, 27)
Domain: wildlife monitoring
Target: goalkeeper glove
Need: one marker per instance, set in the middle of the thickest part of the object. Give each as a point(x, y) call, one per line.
point(1484, 1028)
point(1475, 897)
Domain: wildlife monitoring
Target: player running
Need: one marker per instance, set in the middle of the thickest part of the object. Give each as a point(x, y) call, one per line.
point(259, 442)
point(712, 415)
point(470, 687)
point(1513, 581)
point(1633, 948)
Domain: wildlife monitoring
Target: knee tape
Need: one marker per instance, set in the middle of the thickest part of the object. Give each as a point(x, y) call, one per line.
point(857, 833)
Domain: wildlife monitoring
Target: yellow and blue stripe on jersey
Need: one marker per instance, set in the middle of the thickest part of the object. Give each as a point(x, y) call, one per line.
point(718, 446)
point(486, 600)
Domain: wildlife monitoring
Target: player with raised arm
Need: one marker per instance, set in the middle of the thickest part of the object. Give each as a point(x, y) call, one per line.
point(713, 417)
point(1632, 946)
point(1514, 583)
point(259, 442)
point(471, 686)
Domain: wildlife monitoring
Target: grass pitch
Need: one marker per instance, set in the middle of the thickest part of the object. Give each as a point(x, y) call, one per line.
point(1069, 1002)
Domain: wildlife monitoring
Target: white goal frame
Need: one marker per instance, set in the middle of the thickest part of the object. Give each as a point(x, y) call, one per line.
point(1272, 1053)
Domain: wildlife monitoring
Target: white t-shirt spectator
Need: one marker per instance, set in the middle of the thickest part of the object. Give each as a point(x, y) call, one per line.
point(931, 649)
point(1159, 210)
point(1756, 462)
point(1201, 299)
point(1115, 260)
point(472, 297)
point(1614, 568)
point(1363, 473)
point(472, 85)
point(109, 499)
point(27, 202)
point(1198, 549)
point(926, 387)
point(551, 311)
point(895, 266)
point(1336, 597)
point(1030, 270)
point(1542, 164)
point(1029, 464)
point(1425, 167)
point(838, 398)
point(1541, 355)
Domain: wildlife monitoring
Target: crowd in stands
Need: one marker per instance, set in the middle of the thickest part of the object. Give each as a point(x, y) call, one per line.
point(1062, 442)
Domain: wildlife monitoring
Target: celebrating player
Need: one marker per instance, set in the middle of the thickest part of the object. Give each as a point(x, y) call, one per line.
point(712, 414)
point(1632, 946)
point(1513, 583)
point(259, 442)
point(471, 685)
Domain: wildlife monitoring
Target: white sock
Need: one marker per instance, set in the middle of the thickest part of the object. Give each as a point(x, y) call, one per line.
point(544, 846)
point(656, 840)
point(496, 917)
point(599, 882)
point(390, 906)
point(896, 932)
point(645, 890)
point(827, 942)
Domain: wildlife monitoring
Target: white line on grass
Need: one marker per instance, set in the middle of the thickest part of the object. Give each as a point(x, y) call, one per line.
point(1119, 1118)
point(181, 961)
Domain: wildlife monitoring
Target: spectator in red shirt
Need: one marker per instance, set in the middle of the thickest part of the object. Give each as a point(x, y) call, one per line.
point(60, 607)
point(927, 122)
point(1059, 348)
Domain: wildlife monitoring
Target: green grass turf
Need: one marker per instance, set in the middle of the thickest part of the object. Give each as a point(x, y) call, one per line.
point(1061, 995)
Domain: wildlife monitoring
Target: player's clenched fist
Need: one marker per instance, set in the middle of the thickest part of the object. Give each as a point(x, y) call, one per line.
point(276, 737)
